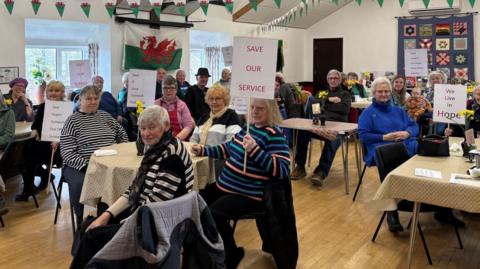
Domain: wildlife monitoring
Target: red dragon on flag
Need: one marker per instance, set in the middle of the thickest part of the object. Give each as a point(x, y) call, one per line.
point(158, 52)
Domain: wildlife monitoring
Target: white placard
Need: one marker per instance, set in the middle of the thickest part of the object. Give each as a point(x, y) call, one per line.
point(254, 64)
point(227, 55)
point(448, 101)
point(141, 86)
point(80, 73)
point(240, 105)
point(416, 63)
point(56, 113)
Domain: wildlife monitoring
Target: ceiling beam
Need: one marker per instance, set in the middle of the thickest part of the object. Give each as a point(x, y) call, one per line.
point(237, 15)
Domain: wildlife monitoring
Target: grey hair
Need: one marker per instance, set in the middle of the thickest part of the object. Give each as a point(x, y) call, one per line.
point(280, 76)
point(334, 71)
point(154, 114)
point(435, 73)
point(89, 89)
point(94, 78)
point(125, 77)
point(169, 80)
point(381, 81)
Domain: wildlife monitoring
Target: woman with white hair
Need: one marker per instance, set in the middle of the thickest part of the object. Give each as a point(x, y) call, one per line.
point(434, 77)
point(165, 173)
point(225, 79)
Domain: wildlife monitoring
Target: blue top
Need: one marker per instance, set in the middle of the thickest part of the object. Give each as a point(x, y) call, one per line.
point(380, 119)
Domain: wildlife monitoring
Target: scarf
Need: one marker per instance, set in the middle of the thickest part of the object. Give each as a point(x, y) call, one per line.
point(151, 155)
point(206, 126)
point(399, 98)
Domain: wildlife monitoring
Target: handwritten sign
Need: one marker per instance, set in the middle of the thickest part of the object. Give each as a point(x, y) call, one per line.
point(448, 101)
point(253, 71)
point(416, 63)
point(227, 55)
point(240, 105)
point(141, 86)
point(56, 113)
point(80, 73)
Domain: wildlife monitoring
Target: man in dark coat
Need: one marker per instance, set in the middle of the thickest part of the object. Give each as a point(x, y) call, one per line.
point(195, 96)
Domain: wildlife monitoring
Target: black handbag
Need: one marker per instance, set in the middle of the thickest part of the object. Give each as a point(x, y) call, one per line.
point(433, 145)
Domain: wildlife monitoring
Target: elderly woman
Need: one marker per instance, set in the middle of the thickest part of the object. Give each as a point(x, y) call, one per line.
point(181, 120)
point(165, 173)
point(83, 133)
point(225, 79)
point(40, 152)
point(219, 126)
point(235, 192)
point(399, 92)
point(355, 88)
point(22, 106)
point(108, 103)
point(182, 84)
point(435, 77)
point(474, 105)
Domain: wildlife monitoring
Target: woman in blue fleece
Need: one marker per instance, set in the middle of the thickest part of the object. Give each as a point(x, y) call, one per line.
point(383, 123)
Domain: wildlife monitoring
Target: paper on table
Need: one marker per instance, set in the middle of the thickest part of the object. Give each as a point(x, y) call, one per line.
point(464, 180)
point(428, 173)
point(105, 152)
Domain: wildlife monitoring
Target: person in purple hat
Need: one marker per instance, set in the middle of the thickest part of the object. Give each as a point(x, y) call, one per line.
point(21, 105)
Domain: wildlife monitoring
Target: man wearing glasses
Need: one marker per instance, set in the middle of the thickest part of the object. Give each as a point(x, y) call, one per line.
point(337, 107)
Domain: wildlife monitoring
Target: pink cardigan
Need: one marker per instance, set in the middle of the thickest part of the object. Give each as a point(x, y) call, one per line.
point(183, 114)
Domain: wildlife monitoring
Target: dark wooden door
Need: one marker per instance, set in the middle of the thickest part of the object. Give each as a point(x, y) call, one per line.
point(327, 55)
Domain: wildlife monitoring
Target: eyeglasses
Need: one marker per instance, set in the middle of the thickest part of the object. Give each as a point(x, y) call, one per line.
point(214, 99)
point(169, 88)
point(333, 78)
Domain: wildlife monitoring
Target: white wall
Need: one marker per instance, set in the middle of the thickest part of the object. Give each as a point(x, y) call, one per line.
point(369, 36)
point(12, 47)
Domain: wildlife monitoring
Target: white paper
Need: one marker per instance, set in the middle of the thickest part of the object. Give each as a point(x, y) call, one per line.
point(105, 152)
point(448, 101)
point(240, 105)
point(416, 63)
point(227, 55)
point(56, 113)
point(254, 64)
point(80, 73)
point(428, 173)
point(141, 86)
point(464, 180)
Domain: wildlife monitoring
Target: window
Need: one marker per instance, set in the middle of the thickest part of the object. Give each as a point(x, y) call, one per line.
point(50, 63)
point(198, 58)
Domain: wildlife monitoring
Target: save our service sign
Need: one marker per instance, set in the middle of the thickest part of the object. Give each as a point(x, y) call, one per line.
point(448, 101)
point(253, 70)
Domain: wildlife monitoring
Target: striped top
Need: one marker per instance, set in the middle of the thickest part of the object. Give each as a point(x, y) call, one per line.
point(171, 175)
point(83, 133)
point(223, 129)
point(268, 160)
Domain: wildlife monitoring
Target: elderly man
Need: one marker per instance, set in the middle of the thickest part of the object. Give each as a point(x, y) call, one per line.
point(195, 96)
point(21, 105)
point(337, 106)
point(183, 85)
point(161, 73)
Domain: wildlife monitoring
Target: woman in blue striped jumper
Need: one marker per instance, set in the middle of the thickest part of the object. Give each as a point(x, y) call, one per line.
point(83, 133)
point(237, 193)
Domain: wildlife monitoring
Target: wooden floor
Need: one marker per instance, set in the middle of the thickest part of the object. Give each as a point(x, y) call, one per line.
point(333, 232)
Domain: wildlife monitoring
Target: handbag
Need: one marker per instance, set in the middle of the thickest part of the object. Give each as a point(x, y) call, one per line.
point(433, 145)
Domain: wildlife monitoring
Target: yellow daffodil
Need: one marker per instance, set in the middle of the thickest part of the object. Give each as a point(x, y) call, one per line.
point(467, 113)
point(8, 102)
point(469, 89)
point(322, 94)
point(139, 107)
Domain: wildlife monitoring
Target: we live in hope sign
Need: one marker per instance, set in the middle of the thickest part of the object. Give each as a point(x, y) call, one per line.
point(448, 101)
point(254, 64)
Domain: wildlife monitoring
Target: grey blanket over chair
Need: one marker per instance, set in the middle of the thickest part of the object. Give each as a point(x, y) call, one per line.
point(159, 235)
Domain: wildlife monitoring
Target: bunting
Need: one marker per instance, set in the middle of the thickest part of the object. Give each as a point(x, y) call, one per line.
point(9, 5)
point(60, 8)
point(278, 3)
point(180, 4)
point(36, 6)
point(380, 3)
point(134, 6)
point(401, 2)
point(204, 6)
point(254, 4)
point(426, 3)
point(110, 7)
point(229, 5)
point(86, 8)
point(156, 7)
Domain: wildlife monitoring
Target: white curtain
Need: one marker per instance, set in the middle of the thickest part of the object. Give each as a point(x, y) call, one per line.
point(93, 57)
point(213, 56)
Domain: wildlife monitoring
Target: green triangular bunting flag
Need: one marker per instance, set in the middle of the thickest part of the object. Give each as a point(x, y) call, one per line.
point(229, 7)
point(304, 1)
point(301, 12)
point(278, 3)
point(157, 10)
point(426, 2)
point(450, 3)
point(359, 2)
point(36, 6)
point(290, 18)
point(380, 3)
point(9, 4)
point(134, 9)
point(110, 9)
point(181, 10)
point(306, 10)
point(254, 4)
point(335, 2)
point(60, 8)
point(86, 8)
point(401, 2)
point(472, 3)
point(204, 8)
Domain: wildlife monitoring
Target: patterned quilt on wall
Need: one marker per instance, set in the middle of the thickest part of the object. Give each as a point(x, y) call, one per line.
point(449, 42)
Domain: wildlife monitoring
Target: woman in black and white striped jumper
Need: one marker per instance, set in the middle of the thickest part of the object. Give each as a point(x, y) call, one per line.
point(83, 133)
point(166, 172)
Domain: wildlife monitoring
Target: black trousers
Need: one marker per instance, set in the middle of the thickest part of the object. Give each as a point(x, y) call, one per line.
point(225, 207)
point(39, 153)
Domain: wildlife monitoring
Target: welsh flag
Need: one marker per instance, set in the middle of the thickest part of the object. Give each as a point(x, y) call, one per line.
point(151, 49)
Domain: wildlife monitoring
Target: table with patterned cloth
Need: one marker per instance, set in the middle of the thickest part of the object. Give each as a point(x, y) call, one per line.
point(109, 177)
point(402, 183)
point(344, 129)
point(361, 104)
point(22, 129)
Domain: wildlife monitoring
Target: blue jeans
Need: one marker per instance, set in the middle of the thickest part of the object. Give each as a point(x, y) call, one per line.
point(75, 178)
point(328, 153)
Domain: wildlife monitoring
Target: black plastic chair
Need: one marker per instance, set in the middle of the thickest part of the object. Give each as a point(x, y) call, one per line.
point(389, 157)
point(58, 196)
point(360, 181)
point(12, 161)
point(252, 216)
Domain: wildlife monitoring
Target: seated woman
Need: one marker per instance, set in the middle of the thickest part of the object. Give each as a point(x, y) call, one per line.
point(181, 120)
point(7, 121)
point(355, 88)
point(399, 91)
point(40, 152)
point(22, 106)
point(83, 133)
point(165, 173)
point(381, 123)
point(218, 126)
point(237, 193)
